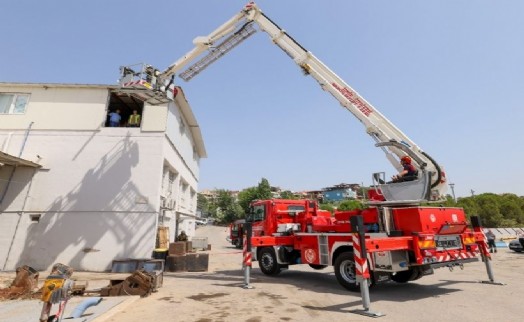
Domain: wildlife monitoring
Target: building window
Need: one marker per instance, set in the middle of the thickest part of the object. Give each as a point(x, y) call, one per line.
point(184, 193)
point(172, 178)
point(13, 103)
point(192, 198)
point(169, 178)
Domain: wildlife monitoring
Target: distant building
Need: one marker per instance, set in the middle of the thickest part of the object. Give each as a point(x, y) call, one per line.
point(340, 192)
point(76, 191)
point(312, 194)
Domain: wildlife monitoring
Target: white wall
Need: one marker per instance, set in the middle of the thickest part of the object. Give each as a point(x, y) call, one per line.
point(50, 107)
point(179, 135)
point(84, 240)
point(154, 118)
point(97, 190)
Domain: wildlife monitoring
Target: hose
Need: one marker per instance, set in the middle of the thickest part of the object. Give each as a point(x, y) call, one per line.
point(80, 308)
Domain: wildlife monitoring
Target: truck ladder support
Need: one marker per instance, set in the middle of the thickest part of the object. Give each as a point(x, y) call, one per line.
point(361, 265)
point(246, 265)
point(484, 252)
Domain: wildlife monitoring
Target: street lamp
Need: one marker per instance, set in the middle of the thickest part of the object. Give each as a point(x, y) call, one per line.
point(452, 185)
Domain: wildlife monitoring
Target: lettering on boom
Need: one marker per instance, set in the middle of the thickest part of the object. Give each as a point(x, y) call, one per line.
point(353, 98)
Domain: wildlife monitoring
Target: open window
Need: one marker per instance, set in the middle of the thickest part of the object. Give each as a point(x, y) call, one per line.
point(125, 105)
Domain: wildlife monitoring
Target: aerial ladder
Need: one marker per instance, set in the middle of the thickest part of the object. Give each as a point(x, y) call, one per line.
point(157, 87)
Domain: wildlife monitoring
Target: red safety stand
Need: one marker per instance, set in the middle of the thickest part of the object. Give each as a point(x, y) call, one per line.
point(361, 266)
point(484, 251)
point(246, 263)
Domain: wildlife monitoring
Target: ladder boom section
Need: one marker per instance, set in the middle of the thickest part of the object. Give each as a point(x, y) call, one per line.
point(204, 43)
point(377, 125)
point(239, 27)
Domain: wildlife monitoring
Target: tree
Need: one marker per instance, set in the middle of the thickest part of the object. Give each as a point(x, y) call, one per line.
point(287, 195)
point(264, 190)
point(202, 204)
point(327, 206)
point(505, 210)
point(245, 197)
point(226, 208)
point(350, 205)
point(511, 206)
point(260, 192)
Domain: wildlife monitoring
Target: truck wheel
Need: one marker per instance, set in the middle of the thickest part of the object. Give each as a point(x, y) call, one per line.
point(403, 276)
point(317, 267)
point(237, 243)
point(411, 274)
point(345, 272)
point(268, 261)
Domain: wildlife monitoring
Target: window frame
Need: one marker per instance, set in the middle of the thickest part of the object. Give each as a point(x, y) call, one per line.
point(11, 109)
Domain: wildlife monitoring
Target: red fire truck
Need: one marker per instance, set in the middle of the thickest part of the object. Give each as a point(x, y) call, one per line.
point(236, 233)
point(405, 240)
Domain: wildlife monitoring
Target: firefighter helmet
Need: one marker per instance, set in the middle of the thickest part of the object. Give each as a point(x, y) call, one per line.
point(405, 159)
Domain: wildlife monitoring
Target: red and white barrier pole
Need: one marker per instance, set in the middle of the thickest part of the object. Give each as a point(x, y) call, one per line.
point(246, 263)
point(362, 274)
point(484, 251)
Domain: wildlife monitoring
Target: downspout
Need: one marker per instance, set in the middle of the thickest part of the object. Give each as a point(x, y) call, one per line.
point(25, 138)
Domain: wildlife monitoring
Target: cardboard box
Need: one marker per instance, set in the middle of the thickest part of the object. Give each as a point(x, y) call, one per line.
point(176, 263)
point(177, 248)
point(197, 262)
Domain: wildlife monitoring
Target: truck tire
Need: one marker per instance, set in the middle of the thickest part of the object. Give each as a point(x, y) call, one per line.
point(317, 267)
point(345, 272)
point(411, 274)
point(238, 243)
point(268, 261)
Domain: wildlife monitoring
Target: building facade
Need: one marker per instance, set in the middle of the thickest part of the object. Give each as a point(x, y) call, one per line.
point(76, 191)
point(340, 192)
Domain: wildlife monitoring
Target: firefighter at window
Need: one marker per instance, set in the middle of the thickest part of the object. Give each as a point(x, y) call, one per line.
point(134, 119)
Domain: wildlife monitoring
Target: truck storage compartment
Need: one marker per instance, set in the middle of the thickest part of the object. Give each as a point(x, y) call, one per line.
point(426, 219)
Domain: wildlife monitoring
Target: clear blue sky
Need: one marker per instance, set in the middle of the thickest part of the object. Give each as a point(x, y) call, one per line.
point(448, 73)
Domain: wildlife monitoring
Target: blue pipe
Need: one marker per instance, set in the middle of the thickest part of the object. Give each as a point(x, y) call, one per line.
point(80, 308)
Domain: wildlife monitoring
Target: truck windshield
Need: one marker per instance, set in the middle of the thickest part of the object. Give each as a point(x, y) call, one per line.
point(258, 213)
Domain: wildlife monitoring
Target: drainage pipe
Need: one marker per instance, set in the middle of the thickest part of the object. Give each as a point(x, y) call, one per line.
point(82, 307)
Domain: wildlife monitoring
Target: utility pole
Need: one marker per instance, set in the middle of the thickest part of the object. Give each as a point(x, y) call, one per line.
point(452, 185)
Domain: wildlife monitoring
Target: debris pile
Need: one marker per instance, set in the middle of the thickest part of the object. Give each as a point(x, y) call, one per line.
point(24, 286)
point(140, 283)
